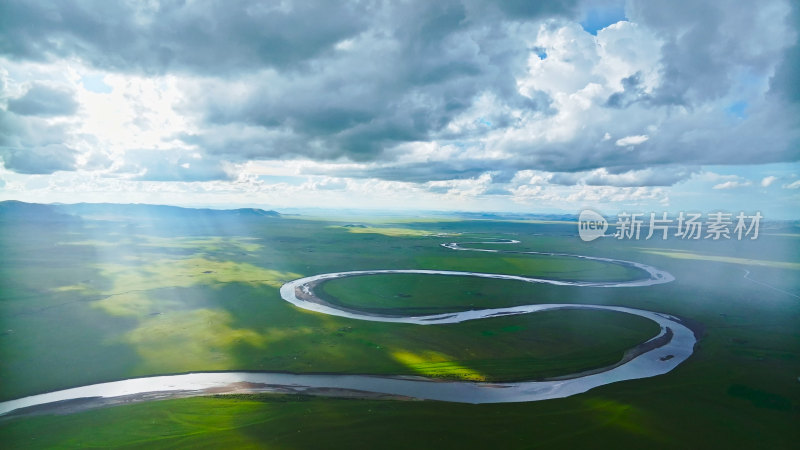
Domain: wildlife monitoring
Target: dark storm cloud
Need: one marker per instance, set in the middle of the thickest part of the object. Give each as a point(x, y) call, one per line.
point(531, 9)
point(416, 65)
point(405, 80)
point(360, 80)
point(632, 92)
point(43, 100)
point(766, 138)
point(785, 84)
point(18, 131)
point(417, 172)
point(31, 145)
point(218, 36)
point(424, 67)
point(38, 160)
point(707, 46)
point(156, 37)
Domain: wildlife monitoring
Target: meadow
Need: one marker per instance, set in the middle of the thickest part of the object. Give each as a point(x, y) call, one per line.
point(98, 299)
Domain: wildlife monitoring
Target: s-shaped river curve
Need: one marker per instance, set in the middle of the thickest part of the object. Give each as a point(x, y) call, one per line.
point(674, 344)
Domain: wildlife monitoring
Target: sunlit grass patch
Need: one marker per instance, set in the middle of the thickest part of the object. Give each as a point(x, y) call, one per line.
point(627, 417)
point(79, 287)
point(680, 254)
point(200, 339)
point(435, 364)
point(204, 244)
point(189, 272)
point(137, 304)
point(94, 243)
point(388, 231)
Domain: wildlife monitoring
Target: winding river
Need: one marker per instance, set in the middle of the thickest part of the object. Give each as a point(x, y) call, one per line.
point(659, 355)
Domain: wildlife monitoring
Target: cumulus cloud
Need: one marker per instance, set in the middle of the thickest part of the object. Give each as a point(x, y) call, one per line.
point(732, 184)
point(632, 140)
point(662, 176)
point(767, 181)
point(355, 82)
point(415, 75)
point(513, 98)
point(785, 83)
point(38, 160)
point(33, 145)
point(590, 195)
point(157, 37)
point(710, 47)
point(466, 187)
point(44, 100)
point(326, 184)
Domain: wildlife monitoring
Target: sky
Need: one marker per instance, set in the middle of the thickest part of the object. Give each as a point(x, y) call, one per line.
point(518, 106)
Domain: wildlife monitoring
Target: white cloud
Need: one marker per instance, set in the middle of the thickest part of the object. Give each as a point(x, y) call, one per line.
point(532, 177)
point(632, 140)
point(793, 185)
point(325, 184)
point(659, 176)
point(552, 195)
point(624, 195)
point(767, 181)
point(434, 102)
point(732, 185)
point(463, 188)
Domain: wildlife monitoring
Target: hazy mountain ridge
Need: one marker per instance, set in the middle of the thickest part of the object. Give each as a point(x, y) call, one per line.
point(64, 212)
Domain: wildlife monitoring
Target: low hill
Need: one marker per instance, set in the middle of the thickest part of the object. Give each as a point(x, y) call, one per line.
point(12, 209)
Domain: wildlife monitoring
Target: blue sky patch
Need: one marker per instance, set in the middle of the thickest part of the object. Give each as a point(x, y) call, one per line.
point(95, 83)
point(598, 17)
point(738, 110)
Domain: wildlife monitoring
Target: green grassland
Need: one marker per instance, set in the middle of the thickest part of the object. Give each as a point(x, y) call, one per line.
point(541, 266)
point(91, 301)
point(615, 416)
point(98, 301)
point(417, 294)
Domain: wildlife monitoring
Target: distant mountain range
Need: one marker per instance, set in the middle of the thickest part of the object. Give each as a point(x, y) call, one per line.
point(21, 211)
point(514, 216)
point(111, 211)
